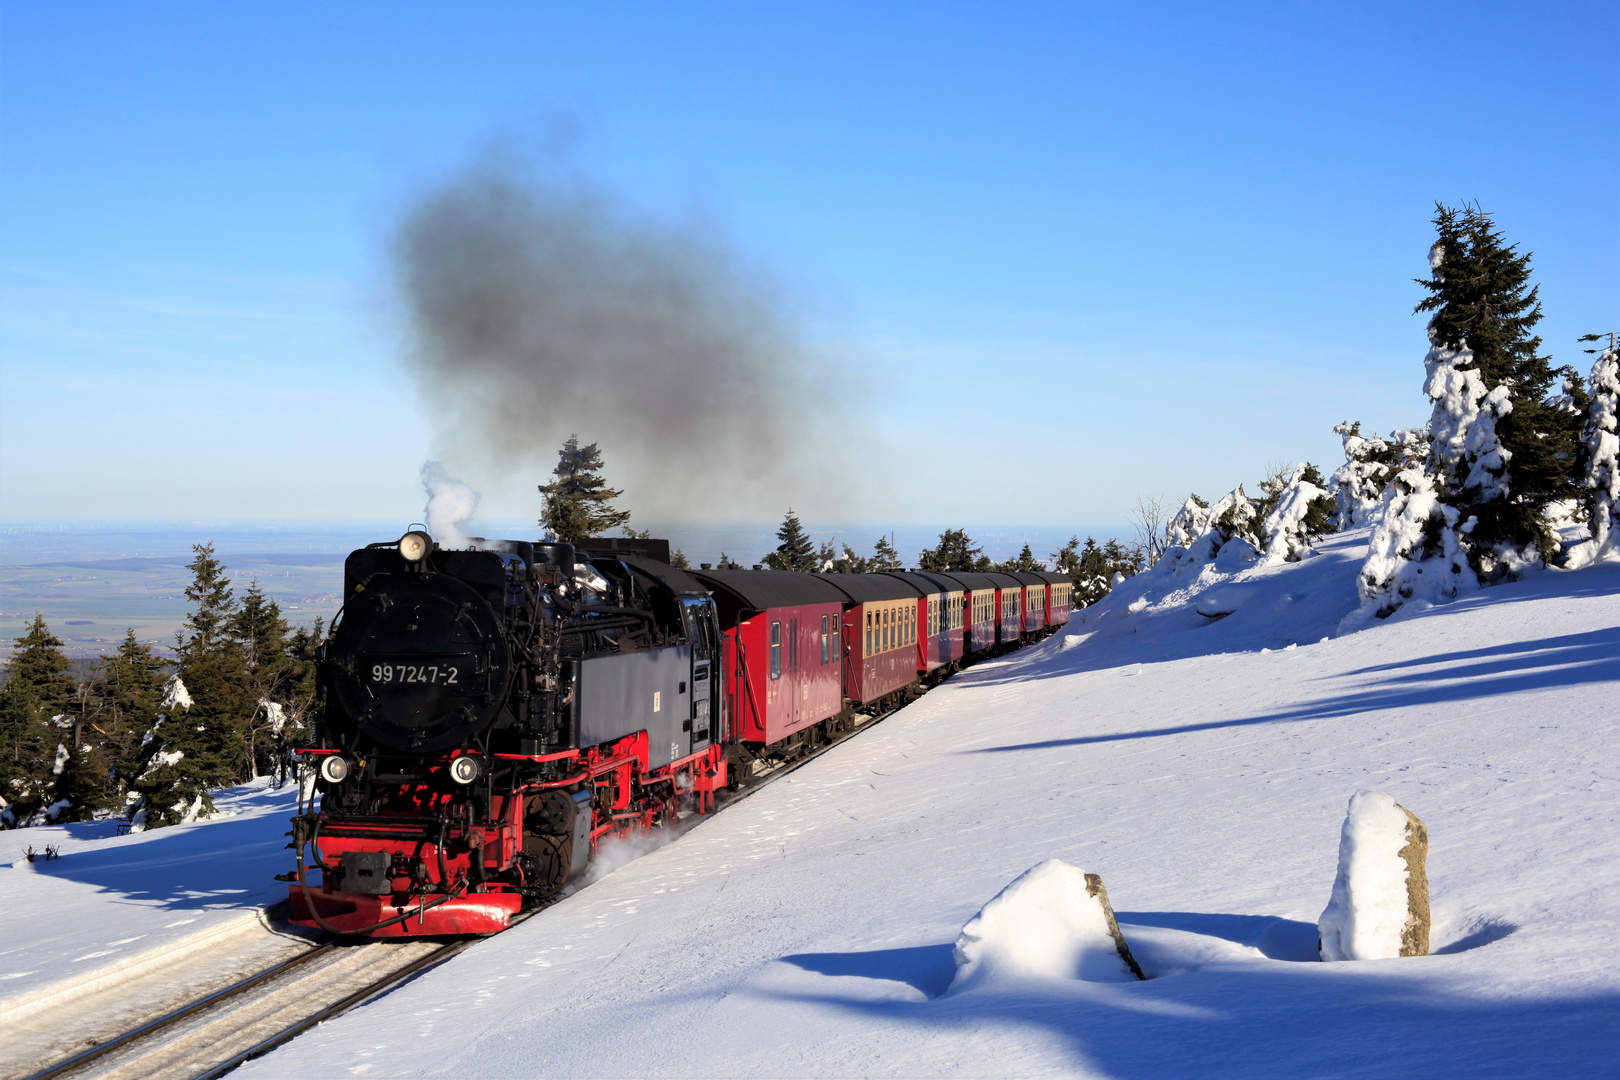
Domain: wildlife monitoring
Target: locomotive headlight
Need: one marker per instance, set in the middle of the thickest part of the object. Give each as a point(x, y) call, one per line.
point(334, 767)
point(466, 768)
point(414, 546)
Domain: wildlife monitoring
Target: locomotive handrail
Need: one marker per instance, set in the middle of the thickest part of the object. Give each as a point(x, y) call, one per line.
point(603, 767)
point(538, 757)
point(604, 609)
point(748, 687)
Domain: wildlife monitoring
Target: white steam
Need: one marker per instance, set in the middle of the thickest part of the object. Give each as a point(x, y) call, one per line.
point(450, 502)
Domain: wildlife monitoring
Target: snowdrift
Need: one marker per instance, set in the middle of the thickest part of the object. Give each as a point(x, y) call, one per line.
point(1050, 923)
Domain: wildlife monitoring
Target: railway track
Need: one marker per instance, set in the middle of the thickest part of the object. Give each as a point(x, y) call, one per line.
point(212, 1035)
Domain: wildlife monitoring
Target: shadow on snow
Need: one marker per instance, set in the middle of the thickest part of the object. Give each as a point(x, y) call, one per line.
point(1567, 660)
point(1254, 1020)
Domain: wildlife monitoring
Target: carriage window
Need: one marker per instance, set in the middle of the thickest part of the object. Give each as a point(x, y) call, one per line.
point(776, 650)
point(868, 633)
point(824, 641)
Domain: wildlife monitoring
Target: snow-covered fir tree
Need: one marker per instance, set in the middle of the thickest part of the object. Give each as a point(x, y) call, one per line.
point(1235, 517)
point(1414, 552)
point(1095, 569)
point(1600, 455)
point(1188, 523)
point(171, 789)
point(1301, 511)
point(1370, 462)
point(1501, 449)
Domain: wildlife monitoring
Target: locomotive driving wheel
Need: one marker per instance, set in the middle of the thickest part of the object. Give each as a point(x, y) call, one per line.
point(548, 841)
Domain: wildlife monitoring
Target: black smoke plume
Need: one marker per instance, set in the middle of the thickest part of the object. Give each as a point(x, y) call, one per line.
point(541, 306)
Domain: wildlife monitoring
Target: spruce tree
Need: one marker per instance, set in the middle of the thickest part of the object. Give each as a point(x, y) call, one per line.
point(1187, 524)
point(1023, 562)
point(260, 635)
point(579, 504)
point(885, 556)
point(851, 563)
point(259, 631)
point(1486, 373)
point(38, 686)
point(795, 552)
point(1300, 511)
point(204, 745)
point(128, 687)
point(1092, 568)
point(84, 782)
point(1066, 559)
point(955, 551)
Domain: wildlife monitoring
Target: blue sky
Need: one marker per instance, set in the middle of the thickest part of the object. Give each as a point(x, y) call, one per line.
point(1175, 242)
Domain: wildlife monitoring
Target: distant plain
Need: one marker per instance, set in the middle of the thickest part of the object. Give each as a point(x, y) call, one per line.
point(93, 582)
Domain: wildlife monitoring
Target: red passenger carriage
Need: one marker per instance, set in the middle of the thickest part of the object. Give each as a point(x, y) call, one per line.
point(880, 634)
point(979, 600)
point(939, 619)
point(781, 634)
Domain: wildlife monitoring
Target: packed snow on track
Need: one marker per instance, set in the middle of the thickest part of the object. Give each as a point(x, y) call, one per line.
point(124, 925)
point(107, 898)
point(1194, 739)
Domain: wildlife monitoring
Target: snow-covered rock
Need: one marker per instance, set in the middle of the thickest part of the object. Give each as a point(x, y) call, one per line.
point(1380, 903)
point(1053, 921)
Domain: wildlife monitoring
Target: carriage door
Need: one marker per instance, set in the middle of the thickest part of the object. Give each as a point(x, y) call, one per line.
point(702, 628)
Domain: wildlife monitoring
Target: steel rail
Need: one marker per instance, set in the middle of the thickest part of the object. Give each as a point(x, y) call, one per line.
point(337, 1008)
point(152, 1027)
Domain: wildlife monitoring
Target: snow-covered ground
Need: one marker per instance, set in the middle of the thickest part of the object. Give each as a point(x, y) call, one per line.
point(809, 930)
point(1197, 762)
point(111, 901)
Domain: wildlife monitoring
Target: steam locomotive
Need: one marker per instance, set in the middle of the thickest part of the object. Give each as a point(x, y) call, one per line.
point(487, 715)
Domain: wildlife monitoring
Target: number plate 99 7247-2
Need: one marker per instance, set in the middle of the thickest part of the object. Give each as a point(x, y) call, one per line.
point(430, 674)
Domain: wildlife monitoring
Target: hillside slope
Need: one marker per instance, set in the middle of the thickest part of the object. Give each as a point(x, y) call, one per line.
point(808, 930)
